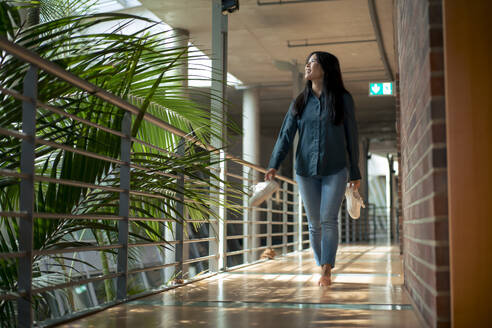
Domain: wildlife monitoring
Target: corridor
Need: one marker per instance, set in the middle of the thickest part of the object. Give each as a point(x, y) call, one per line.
point(367, 292)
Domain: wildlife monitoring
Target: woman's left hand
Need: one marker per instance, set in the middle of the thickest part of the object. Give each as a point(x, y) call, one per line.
point(355, 184)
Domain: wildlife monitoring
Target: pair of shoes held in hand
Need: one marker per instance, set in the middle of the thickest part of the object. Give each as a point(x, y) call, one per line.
point(354, 201)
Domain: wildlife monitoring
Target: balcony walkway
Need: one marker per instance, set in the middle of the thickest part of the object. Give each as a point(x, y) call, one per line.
point(367, 292)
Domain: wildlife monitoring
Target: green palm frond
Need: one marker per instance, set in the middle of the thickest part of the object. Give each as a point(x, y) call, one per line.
point(138, 68)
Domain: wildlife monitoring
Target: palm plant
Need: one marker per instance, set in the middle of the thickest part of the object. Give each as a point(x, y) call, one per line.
point(136, 68)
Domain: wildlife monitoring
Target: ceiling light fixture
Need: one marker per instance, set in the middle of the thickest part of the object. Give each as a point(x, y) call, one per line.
point(230, 6)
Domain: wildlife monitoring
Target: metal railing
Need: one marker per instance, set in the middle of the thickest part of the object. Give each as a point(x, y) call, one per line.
point(234, 239)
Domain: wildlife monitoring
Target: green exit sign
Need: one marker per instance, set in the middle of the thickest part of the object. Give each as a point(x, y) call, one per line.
point(381, 89)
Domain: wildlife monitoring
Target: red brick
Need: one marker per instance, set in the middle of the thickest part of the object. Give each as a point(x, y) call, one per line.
point(436, 60)
point(436, 37)
point(437, 86)
point(435, 14)
point(438, 132)
point(438, 108)
point(439, 157)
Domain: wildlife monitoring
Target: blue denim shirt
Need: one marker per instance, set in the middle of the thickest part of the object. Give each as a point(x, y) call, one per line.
point(323, 147)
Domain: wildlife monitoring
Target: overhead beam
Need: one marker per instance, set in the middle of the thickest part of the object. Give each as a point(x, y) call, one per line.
point(306, 43)
point(286, 2)
point(379, 38)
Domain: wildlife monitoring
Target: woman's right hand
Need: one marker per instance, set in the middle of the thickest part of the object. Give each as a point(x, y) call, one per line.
point(270, 174)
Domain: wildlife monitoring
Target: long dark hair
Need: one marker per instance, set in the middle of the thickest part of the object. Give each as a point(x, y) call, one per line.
point(332, 85)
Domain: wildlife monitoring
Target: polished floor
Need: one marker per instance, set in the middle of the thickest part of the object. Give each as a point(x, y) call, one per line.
point(367, 291)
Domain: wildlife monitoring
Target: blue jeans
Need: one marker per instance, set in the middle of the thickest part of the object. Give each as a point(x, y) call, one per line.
point(322, 197)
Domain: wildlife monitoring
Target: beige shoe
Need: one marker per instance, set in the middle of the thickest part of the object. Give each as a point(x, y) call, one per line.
point(262, 191)
point(354, 202)
point(268, 253)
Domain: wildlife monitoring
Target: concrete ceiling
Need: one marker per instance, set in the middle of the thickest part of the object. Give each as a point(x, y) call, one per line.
point(261, 34)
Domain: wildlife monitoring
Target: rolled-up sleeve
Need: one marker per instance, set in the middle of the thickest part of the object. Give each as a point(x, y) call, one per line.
point(284, 140)
point(351, 136)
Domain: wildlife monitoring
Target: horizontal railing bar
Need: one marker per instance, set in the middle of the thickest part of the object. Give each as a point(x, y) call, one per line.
point(12, 255)
point(253, 222)
point(150, 219)
point(290, 213)
point(239, 177)
point(290, 203)
point(76, 216)
point(13, 214)
point(139, 167)
point(78, 151)
point(11, 296)
point(235, 222)
point(290, 233)
point(198, 240)
point(75, 249)
point(259, 248)
point(201, 221)
point(156, 243)
point(74, 183)
point(152, 268)
point(305, 241)
point(278, 234)
point(14, 174)
point(291, 244)
point(236, 252)
point(15, 134)
point(56, 110)
point(261, 209)
point(256, 222)
point(199, 259)
point(76, 283)
point(237, 237)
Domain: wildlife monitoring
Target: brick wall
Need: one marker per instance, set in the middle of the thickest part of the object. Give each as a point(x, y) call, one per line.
point(423, 158)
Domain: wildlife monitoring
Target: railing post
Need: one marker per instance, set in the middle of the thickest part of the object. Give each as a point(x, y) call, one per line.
point(24, 304)
point(269, 223)
point(222, 242)
point(299, 224)
point(124, 208)
point(218, 110)
point(295, 219)
point(285, 217)
point(246, 212)
point(178, 250)
point(347, 226)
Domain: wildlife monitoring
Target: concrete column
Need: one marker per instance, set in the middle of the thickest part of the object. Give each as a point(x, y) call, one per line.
point(251, 153)
point(178, 42)
point(467, 72)
point(219, 111)
point(251, 125)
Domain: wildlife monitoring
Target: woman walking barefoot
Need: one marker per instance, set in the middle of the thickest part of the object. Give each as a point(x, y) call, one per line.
point(323, 113)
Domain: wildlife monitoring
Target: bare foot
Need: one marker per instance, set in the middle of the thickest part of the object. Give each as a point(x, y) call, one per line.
point(325, 279)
